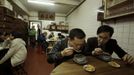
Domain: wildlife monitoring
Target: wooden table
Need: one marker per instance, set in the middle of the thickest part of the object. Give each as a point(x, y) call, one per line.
point(102, 68)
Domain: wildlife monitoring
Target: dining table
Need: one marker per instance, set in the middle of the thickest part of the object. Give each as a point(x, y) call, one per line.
point(70, 67)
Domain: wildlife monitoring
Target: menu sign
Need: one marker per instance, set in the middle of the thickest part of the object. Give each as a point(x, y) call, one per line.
point(46, 16)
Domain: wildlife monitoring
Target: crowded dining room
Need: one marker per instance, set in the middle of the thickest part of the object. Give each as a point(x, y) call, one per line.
point(66, 37)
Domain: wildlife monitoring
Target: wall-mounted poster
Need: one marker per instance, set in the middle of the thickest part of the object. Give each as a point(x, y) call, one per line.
point(46, 16)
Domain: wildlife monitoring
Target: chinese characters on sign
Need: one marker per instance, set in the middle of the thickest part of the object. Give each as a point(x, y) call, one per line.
point(46, 16)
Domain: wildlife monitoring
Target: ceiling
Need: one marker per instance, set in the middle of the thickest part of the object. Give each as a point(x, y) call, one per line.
point(61, 6)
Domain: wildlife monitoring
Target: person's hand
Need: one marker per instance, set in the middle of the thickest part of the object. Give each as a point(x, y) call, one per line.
point(97, 51)
point(67, 51)
point(128, 59)
point(106, 53)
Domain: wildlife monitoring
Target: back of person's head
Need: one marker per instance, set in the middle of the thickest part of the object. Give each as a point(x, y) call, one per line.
point(16, 34)
point(33, 26)
point(6, 33)
point(59, 34)
point(105, 28)
point(45, 33)
point(4, 36)
point(1, 37)
point(1, 33)
point(78, 33)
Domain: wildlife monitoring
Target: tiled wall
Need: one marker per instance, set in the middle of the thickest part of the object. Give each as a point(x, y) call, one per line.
point(124, 33)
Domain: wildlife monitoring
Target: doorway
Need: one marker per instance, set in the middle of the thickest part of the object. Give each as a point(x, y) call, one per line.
point(37, 25)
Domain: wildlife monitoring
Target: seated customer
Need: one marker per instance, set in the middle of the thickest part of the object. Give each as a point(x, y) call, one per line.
point(66, 48)
point(105, 44)
point(16, 54)
point(4, 43)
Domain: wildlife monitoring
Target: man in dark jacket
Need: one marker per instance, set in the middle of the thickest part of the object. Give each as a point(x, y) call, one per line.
point(66, 48)
point(104, 44)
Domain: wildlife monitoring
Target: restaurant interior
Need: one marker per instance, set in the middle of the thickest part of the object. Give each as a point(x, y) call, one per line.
point(43, 23)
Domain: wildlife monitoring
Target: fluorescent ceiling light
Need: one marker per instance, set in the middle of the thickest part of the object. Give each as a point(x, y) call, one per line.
point(41, 2)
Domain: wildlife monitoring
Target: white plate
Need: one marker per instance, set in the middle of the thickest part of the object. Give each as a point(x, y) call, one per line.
point(114, 64)
point(89, 68)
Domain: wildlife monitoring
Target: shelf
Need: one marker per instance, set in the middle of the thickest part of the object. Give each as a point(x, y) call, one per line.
point(5, 11)
point(115, 16)
point(61, 28)
point(122, 2)
point(65, 31)
point(122, 8)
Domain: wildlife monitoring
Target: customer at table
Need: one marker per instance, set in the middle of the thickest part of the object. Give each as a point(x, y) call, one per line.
point(103, 43)
point(66, 48)
point(16, 54)
point(4, 43)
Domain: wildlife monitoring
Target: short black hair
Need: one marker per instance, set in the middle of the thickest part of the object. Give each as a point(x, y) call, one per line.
point(59, 34)
point(4, 33)
point(16, 34)
point(105, 28)
point(1, 33)
point(76, 32)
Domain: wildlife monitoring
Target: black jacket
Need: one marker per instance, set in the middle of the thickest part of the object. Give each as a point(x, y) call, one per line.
point(110, 47)
point(54, 56)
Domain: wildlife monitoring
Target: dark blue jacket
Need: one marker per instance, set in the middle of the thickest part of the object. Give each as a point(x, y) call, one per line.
point(110, 47)
point(54, 56)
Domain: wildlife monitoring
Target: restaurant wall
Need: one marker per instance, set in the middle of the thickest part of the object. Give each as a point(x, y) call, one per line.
point(85, 17)
point(58, 18)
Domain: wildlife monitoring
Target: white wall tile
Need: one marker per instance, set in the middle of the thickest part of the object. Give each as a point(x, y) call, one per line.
point(124, 34)
point(131, 36)
point(126, 28)
point(131, 47)
point(131, 41)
